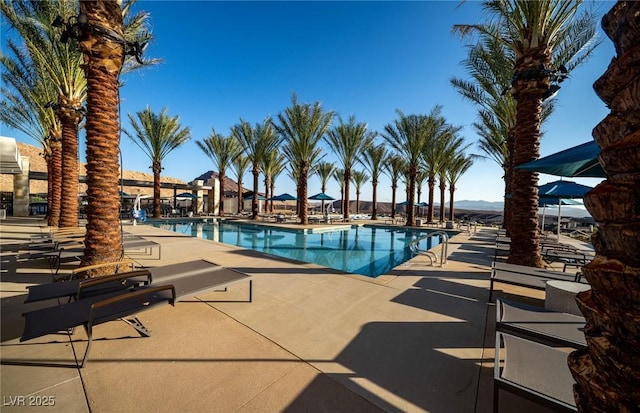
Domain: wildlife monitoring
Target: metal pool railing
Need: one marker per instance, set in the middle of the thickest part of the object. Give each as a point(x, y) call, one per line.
point(444, 241)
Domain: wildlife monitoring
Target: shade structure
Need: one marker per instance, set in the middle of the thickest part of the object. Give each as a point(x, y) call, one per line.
point(578, 162)
point(250, 197)
point(321, 197)
point(283, 197)
point(10, 159)
point(561, 190)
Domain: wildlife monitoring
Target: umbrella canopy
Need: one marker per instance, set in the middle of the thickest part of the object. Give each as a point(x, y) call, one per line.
point(187, 195)
point(563, 189)
point(542, 202)
point(321, 197)
point(283, 197)
point(250, 197)
point(580, 162)
point(560, 190)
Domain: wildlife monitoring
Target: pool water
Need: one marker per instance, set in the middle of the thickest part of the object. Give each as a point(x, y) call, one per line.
point(368, 250)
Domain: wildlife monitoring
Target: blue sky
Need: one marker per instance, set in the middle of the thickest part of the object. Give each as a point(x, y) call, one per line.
point(227, 60)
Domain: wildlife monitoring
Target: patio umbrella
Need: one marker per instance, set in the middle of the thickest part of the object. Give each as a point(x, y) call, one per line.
point(562, 189)
point(321, 197)
point(545, 202)
point(250, 197)
point(283, 197)
point(187, 195)
point(579, 162)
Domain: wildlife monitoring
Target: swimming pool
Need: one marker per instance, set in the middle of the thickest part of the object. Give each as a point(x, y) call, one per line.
point(368, 250)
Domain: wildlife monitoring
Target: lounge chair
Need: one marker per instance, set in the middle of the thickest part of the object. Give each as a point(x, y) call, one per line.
point(537, 324)
point(523, 276)
point(97, 308)
point(188, 278)
point(533, 371)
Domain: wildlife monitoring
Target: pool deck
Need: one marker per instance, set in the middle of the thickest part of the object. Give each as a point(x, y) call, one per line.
point(418, 338)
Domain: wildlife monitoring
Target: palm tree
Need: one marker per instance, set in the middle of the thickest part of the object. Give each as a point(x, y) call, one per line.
point(348, 141)
point(60, 64)
point(490, 64)
point(25, 107)
point(103, 61)
point(421, 177)
point(257, 143)
point(454, 170)
point(272, 166)
point(540, 34)
point(359, 179)
point(223, 152)
point(157, 135)
point(439, 133)
point(452, 146)
point(325, 170)
point(301, 127)
point(240, 166)
point(407, 136)
point(394, 167)
point(606, 372)
point(373, 160)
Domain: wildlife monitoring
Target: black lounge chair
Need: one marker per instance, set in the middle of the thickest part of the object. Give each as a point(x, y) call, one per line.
point(97, 309)
point(523, 276)
point(533, 371)
point(537, 324)
point(188, 278)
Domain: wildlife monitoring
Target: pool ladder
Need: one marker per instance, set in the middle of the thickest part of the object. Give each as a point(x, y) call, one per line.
point(444, 242)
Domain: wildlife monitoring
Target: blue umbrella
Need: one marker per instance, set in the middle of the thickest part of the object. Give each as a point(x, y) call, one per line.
point(321, 197)
point(283, 197)
point(544, 202)
point(250, 197)
point(187, 195)
point(563, 189)
point(580, 161)
point(560, 190)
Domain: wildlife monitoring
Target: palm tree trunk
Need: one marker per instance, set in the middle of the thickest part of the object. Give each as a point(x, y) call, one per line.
point(608, 371)
point(443, 187)
point(374, 202)
point(347, 204)
point(70, 116)
point(413, 173)
point(272, 186)
point(394, 187)
point(304, 202)
point(102, 63)
point(452, 215)
point(254, 200)
point(432, 186)
point(55, 181)
point(156, 189)
point(524, 226)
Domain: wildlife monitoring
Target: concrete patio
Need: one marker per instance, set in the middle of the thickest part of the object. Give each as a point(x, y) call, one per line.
point(418, 338)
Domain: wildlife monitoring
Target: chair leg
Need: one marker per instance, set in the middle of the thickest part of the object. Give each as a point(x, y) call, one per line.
point(89, 331)
point(137, 324)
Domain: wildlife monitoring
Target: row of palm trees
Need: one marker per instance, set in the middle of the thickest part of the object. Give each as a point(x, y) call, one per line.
point(293, 143)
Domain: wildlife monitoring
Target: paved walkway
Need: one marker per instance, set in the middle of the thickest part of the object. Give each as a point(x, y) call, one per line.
point(416, 339)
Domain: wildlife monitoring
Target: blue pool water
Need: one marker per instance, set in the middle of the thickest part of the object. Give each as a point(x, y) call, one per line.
point(367, 250)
